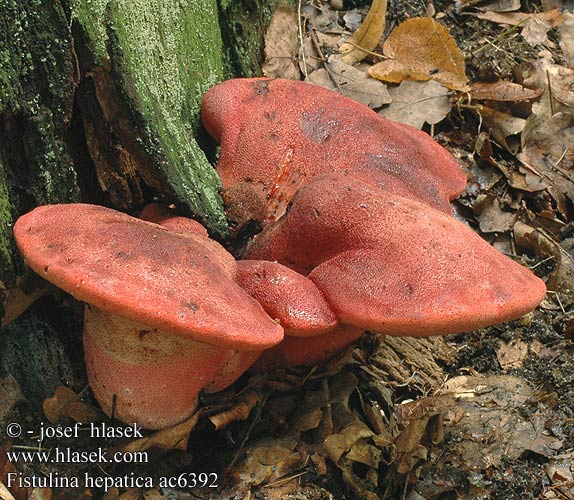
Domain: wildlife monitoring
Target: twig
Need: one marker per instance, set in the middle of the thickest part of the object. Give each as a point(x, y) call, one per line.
point(550, 93)
point(507, 31)
point(301, 42)
point(245, 439)
point(376, 54)
point(324, 60)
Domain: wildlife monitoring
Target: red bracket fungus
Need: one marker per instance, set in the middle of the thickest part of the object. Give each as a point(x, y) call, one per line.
point(371, 226)
point(287, 296)
point(160, 214)
point(394, 265)
point(267, 125)
point(309, 351)
point(164, 315)
point(312, 333)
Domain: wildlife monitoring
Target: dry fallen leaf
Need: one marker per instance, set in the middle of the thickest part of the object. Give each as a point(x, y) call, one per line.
point(17, 301)
point(4, 493)
point(352, 20)
point(351, 82)
point(350, 442)
point(16, 492)
point(500, 6)
point(415, 103)
point(421, 49)
point(536, 29)
point(41, 494)
point(267, 461)
point(560, 471)
point(368, 34)
point(548, 152)
point(557, 81)
point(478, 442)
point(543, 245)
point(492, 218)
point(281, 46)
point(55, 407)
point(503, 91)
point(171, 438)
point(238, 412)
point(66, 403)
point(505, 129)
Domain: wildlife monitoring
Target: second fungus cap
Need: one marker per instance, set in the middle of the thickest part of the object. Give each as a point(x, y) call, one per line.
point(180, 283)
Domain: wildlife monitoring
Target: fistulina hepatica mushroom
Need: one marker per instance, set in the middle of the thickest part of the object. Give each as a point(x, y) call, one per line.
point(163, 317)
point(368, 243)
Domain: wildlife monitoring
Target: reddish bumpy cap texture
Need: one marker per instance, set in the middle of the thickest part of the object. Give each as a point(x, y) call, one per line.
point(287, 296)
point(394, 265)
point(160, 214)
point(180, 283)
point(265, 126)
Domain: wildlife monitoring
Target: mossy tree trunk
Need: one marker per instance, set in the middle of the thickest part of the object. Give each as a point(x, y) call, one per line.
point(99, 102)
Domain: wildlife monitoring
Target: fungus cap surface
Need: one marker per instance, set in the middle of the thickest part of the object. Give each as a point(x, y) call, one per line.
point(180, 283)
point(287, 296)
point(394, 265)
point(159, 214)
point(263, 124)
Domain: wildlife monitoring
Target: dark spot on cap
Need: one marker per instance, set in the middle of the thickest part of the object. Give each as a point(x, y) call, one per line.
point(143, 333)
point(261, 87)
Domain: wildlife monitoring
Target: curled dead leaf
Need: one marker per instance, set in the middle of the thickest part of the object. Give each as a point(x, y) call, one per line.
point(503, 91)
point(368, 34)
point(505, 129)
point(172, 438)
point(421, 49)
point(238, 412)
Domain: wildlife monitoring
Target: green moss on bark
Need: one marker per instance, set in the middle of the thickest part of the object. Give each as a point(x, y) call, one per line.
point(36, 95)
point(90, 14)
point(166, 56)
point(6, 220)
